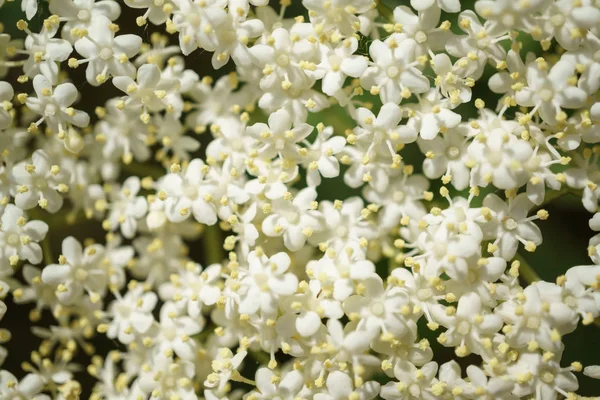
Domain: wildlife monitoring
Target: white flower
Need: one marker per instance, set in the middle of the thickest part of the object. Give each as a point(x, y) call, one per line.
point(79, 271)
point(346, 225)
point(19, 238)
point(393, 73)
point(175, 332)
point(508, 15)
point(105, 54)
point(40, 183)
point(320, 159)
point(151, 92)
point(278, 137)
point(508, 224)
point(199, 24)
point(285, 388)
point(499, 156)
point(6, 94)
point(45, 52)
point(80, 13)
point(54, 105)
point(28, 388)
point(194, 287)
point(122, 135)
point(172, 135)
point(544, 377)
point(431, 115)
point(282, 57)
point(413, 383)
point(538, 318)
point(340, 387)
point(338, 275)
point(377, 309)
point(468, 327)
point(493, 387)
point(127, 208)
point(339, 62)
point(422, 28)
point(265, 280)
point(337, 14)
point(224, 365)
point(295, 218)
point(156, 12)
point(382, 134)
point(190, 193)
point(447, 156)
point(549, 91)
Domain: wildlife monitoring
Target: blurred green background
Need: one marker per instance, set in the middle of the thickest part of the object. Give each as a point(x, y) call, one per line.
point(566, 232)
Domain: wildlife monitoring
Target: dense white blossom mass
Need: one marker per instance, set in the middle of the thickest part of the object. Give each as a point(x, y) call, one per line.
point(305, 293)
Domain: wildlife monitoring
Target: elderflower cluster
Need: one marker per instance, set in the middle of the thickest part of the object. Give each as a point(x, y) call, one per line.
point(198, 224)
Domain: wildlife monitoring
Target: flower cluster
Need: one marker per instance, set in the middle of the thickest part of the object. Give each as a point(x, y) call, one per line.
point(328, 293)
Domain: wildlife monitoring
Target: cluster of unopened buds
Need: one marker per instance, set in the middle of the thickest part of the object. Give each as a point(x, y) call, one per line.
point(232, 270)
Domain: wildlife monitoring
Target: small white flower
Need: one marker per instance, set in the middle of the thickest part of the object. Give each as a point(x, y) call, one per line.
point(264, 282)
point(548, 91)
point(393, 73)
point(19, 238)
point(39, 182)
point(54, 105)
point(105, 54)
point(278, 137)
point(294, 219)
point(127, 208)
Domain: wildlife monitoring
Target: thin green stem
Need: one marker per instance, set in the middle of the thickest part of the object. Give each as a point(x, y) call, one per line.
point(143, 170)
point(384, 10)
point(237, 377)
point(526, 271)
point(47, 251)
point(213, 244)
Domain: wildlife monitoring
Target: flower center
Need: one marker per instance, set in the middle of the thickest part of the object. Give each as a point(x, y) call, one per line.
point(341, 231)
point(421, 37)
point(464, 327)
point(547, 377)
point(13, 239)
point(194, 19)
point(81, 274)
point(546, 95)
point(508, 20)
point(50, 110)
point(191, 192)
point(84, 15)
point(557, 20)
point(398, 196)
point(452, 152)
point(393, 71)
point(510, 224)
point(40, 183)
point(293, 217)
point(282, 60)
point(377, 308)
point(124, 311)
point(106, 53)
point(533, 322)
point(170, 333)
point(495, 158)
point(424, 294)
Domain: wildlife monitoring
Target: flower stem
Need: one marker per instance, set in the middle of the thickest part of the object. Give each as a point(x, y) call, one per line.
point(526, 271)
point(213, 244)
point(237, 377)
point(384, 10)
point(47, 251)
